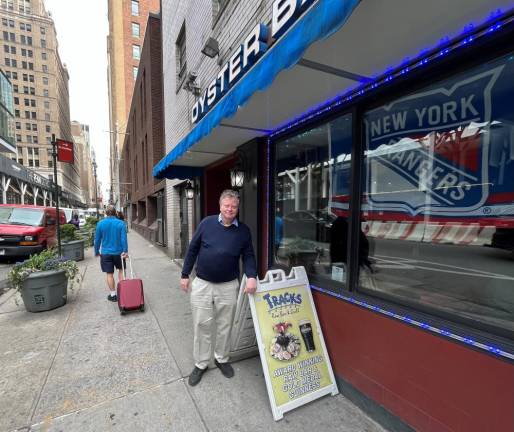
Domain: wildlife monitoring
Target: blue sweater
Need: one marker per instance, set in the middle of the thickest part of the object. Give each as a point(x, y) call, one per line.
point(217, 250)
point(111, 236)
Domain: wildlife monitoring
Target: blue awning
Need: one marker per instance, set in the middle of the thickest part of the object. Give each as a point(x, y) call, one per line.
point(323, 19)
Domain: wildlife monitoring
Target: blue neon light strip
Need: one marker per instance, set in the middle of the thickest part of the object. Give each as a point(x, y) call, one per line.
point(489, 348)
point(497, 21)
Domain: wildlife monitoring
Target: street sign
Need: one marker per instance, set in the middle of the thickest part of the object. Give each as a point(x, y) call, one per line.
point(64, 151)
point(293, 354)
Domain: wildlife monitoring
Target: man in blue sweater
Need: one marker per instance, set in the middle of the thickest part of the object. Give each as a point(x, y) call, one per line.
point(111, 246)
point(217, 245)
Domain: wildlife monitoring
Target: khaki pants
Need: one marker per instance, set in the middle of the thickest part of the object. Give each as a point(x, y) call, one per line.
point(212, 301)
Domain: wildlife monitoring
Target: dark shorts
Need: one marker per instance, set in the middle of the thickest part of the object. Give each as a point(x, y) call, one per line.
point(108, 262)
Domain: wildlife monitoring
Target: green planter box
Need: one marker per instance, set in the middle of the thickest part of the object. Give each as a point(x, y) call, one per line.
point(45, 290)
point(73, 250)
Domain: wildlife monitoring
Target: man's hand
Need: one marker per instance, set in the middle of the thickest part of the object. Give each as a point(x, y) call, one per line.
point(251, 285)
point(184, 284)
point(124, 255)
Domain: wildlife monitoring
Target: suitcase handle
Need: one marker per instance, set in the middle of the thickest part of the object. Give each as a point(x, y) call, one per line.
point(124, 267)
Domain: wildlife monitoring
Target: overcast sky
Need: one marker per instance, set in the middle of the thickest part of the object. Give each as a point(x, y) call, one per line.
point(82, 29)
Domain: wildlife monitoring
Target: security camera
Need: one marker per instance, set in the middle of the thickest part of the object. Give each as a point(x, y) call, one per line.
point(192, 75)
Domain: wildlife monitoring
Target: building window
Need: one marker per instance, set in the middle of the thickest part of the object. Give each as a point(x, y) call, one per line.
point(435, 171)
point(180, 49)
point(135, 30)
point(44, 56)
point(135, 8)
point(45, 92)
point(45, 80)
point(47, 128)
point(15, 88)
point(134, 72)
point(42, 30)
point(45, 68)
point(46, 104)
point(47, 116)
point(43, 43)
point(18, 138)
point(307, 174)
point(136, 52)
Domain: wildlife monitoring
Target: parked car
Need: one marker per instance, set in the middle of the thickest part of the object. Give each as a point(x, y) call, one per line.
point(26, 229)
point(309, 225)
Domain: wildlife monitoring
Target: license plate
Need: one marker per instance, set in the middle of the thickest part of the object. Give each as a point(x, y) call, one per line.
point(2, 251)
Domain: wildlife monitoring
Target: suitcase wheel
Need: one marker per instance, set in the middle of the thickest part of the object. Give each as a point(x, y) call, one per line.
point(142, 308)
point(122, 311)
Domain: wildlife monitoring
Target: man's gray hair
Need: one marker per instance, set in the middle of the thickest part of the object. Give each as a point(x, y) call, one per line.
point(229, 193)
point(110, 210)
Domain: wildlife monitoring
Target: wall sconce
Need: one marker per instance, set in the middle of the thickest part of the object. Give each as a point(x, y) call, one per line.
point(211, 48)
point(190, 191)
point(237, 178)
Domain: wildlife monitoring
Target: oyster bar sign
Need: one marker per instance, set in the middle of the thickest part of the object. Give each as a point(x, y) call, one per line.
point(284, 14)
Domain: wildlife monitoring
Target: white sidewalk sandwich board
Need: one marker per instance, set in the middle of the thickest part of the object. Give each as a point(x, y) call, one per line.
point(291, 345)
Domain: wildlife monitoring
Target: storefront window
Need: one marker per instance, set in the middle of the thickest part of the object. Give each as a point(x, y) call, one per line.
point(438, 196)
point(312, 183)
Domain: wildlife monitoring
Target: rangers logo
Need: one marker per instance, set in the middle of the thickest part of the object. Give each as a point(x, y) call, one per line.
point(429, 151)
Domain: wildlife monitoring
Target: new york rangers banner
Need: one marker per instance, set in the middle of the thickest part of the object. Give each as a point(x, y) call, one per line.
point(445, 151)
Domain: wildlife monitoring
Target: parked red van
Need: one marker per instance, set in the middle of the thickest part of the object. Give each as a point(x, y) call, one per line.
point(26, 229)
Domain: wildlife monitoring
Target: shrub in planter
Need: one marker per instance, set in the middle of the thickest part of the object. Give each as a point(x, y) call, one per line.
point(43, 279)
point(72, 245)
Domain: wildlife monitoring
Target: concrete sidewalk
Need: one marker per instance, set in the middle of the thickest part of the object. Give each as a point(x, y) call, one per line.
point(84, 367)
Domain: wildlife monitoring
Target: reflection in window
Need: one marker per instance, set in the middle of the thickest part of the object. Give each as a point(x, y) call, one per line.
point(438, 197)
point(311, 191)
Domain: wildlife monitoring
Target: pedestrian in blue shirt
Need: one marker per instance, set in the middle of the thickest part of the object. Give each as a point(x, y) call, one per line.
point(111, 245)
point(217, 246)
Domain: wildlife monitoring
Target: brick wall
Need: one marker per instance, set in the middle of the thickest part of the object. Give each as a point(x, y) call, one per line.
point(143, 144)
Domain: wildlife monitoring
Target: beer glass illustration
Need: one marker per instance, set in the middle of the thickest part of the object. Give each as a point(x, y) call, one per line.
point(306, 331)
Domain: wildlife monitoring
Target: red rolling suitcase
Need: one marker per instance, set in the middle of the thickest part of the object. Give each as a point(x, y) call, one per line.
point(130, 291)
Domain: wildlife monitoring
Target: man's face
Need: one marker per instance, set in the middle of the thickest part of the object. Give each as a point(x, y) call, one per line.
point(229, 208)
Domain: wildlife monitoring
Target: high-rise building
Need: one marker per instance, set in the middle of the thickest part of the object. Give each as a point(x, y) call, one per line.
point(127, 25)
point(80, 133)
point(40, 84)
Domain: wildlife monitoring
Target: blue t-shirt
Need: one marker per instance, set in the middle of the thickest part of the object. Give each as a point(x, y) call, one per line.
point(111, 237)
point(217, 250)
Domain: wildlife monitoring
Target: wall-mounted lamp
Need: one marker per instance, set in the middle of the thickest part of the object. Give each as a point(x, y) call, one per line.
point(237, 178)
point(190, 191)
point(211, 48)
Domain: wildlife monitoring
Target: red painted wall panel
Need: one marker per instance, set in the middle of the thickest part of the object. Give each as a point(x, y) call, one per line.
point(431, 383)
